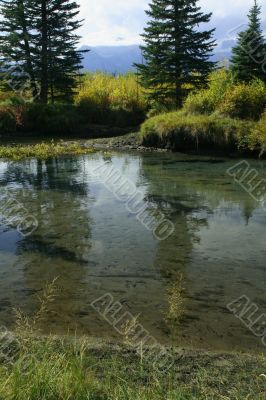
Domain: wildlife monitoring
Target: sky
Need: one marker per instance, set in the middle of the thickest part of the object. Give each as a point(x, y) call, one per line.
point(117, 22)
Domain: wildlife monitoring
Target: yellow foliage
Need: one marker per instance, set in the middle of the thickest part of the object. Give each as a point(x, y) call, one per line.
point(43, 150)
point(111, 92)
point(258, 135)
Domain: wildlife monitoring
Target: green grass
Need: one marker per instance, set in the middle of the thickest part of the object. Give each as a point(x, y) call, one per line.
point(180, 131)
point(72, 370)
point(43, 150)
point(47, 368)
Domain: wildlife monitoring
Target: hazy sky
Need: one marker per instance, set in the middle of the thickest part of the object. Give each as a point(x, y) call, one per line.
point(121, 21)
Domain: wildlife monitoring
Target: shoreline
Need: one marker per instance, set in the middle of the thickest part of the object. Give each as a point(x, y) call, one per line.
point(121, 141)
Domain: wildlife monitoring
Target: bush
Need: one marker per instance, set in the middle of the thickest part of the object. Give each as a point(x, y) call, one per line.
point(257, 140)
point(108, 99)
point(244, 101)
point(207, 101)
point(182, 132)
point(50, 119)
point(10, 118)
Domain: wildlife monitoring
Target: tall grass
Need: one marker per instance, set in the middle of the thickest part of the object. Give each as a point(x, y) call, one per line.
point(182, 132)
point(49, 368)
point(112, 99)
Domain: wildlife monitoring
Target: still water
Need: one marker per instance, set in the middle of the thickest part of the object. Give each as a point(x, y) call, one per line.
point(94, 245)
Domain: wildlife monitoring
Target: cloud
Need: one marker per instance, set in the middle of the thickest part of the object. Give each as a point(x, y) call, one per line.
point(110, 22)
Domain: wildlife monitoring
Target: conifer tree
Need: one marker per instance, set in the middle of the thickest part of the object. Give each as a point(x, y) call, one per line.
point(176, 52)
point(59, 60)
point(249, 53)
point(39, 37)
point(16, 40)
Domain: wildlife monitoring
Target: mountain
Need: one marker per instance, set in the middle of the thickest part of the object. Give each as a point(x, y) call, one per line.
point(121, 58)
point(111, 59)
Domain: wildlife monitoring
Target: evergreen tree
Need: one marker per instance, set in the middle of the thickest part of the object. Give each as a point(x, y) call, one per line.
point(39, 37)
point(250, 50)
point(16, 42)
point(59, 60)
point(176, 52)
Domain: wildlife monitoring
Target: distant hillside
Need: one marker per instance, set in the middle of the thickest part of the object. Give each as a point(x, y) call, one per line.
point(121, 59)
point(112, 59)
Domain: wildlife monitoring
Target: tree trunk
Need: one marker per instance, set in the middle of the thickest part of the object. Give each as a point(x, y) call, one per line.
point(44, 53)
point(29, 64)
point(178, 88)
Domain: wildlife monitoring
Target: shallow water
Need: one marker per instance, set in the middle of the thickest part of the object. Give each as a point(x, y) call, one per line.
point(94, 245)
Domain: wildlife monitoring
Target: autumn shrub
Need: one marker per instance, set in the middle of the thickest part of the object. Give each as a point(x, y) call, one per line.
point(257, 139)
point(10, 119)
point(206, 101)
point(244, 101)
point(117, 100)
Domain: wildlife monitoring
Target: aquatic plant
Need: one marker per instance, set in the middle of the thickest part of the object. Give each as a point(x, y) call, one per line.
point(176, 300)
point(43, 150)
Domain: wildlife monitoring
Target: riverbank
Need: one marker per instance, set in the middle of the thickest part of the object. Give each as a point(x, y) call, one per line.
point(17, 148)
point(58, 369)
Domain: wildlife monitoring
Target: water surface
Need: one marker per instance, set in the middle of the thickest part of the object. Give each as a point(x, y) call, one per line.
point(94, 245)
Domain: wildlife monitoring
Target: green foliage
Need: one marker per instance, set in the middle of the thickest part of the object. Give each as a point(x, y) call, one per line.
point(250, 52)
point(182, 132)
point(234, 100)
point(244, 101)
point(177, 54)
point(207, 101)
point(51, 119)
point(38, 43)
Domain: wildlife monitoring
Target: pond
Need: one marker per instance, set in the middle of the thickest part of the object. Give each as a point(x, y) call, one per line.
point(90, 240)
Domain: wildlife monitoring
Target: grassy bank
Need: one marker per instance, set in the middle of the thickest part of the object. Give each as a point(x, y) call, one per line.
point(60, 370)
point(228, 116)
point(182, 132)
point(43, 150)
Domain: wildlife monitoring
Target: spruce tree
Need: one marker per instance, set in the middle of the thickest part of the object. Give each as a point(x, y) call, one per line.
point(39, 37)
point(59, 60)
point(250, 50)
point(16, 40)
point(176, 52)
